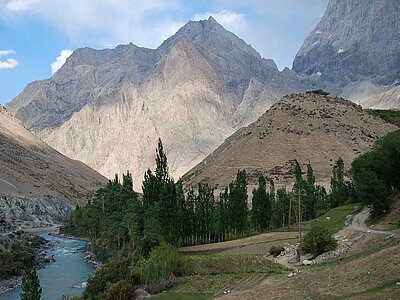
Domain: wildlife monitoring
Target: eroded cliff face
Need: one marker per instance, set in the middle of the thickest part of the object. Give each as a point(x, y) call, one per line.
point(354, 51)
point(108, 108)
point(38, 185)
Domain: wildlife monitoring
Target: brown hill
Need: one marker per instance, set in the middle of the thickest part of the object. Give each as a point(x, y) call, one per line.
point(307, 127)
point(37, 183)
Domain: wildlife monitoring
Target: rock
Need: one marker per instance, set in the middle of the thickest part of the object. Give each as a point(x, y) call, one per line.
point(307, 262)
point(293, 259)
point(49, 258)
point(141, 294)
point(83, 285)
point(295, 272)
point(340, 250)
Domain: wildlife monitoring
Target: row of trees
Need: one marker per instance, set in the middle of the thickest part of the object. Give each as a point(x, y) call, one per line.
point(116, 217)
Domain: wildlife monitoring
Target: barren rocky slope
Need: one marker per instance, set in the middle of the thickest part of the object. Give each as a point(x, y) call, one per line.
point(307, 127)
point(37, 183)
point(354, 52)
point(108, 108)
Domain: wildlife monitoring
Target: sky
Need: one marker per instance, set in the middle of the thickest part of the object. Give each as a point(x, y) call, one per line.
point(36, 36)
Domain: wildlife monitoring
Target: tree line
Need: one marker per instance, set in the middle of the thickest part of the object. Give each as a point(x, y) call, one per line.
point(118, 218)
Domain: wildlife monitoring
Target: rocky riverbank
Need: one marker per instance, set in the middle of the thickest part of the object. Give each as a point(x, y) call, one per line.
point(20, 250)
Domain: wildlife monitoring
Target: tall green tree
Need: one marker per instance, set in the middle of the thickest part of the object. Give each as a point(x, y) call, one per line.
point(298, 191)
point(261, 206)
point(31, 289)
point(280, 208)
point(338, 193)
point(238, 198)
point(309, 199)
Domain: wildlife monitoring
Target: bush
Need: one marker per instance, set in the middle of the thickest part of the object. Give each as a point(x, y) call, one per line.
point(117, 269)
point(121, 290)
point(318, 92)
point(276, 250)
point(317, 241)
point(163, 261)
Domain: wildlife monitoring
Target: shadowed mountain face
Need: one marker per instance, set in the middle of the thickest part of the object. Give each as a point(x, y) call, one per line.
point(108, 108)
point(354, 51)
point(307, 127)
point(37, 183)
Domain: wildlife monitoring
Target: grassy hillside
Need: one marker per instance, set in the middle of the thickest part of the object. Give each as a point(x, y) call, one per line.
point(390, 116)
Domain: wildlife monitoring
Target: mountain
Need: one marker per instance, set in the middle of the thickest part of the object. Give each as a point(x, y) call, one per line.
point(307, 127)
point(108, 108)
point(354, 52)
point(38, 185)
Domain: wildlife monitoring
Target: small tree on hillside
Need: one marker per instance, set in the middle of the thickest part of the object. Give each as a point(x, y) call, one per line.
point(31, 289)
point(317, 241)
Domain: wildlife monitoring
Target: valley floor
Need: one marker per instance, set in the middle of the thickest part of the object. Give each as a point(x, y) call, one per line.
point(370, 270)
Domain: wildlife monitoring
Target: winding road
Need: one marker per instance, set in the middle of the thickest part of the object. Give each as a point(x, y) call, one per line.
point(358, 222)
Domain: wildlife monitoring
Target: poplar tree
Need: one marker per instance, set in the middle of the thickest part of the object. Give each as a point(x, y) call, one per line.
point(338, 186)
point(31, 289)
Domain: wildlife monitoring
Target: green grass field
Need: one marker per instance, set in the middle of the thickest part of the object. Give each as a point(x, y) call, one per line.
point(212, 274)
point(334, 219)
point(390, 116)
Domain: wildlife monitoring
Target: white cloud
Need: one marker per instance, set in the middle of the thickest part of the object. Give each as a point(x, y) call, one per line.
point(21, 5)
point(9, 63)
point(6, 52)
point(102, 22)
point(231, 20)
point(60, 60)
point(276, 29)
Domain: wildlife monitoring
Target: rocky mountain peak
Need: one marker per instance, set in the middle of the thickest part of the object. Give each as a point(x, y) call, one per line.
point(355, 40)
point(211, 35)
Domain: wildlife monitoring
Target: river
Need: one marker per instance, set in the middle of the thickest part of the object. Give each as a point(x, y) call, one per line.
point(62, 276)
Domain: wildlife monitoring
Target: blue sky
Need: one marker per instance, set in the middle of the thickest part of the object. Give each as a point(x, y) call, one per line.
point(34, 33)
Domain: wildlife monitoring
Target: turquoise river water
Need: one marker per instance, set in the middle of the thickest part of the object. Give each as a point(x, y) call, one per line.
point(64, 276)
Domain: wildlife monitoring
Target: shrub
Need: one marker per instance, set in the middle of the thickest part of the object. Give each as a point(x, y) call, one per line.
point(163, 261)
point(115, 270)
point(318, 92)
point(317, 241)
point(276, 250)
point(121, 290)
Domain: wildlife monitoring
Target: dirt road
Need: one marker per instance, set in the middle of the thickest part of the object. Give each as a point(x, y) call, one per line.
point(359, 222)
